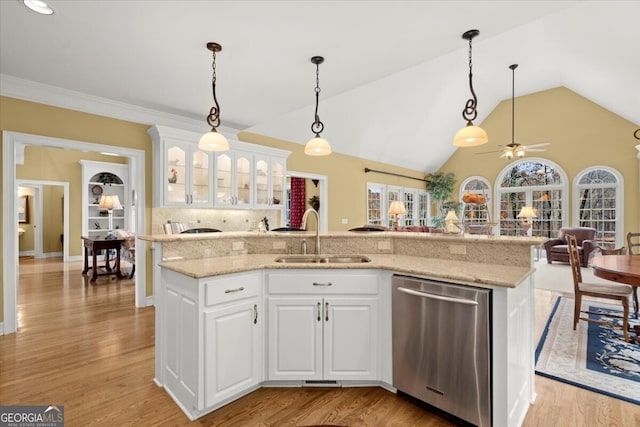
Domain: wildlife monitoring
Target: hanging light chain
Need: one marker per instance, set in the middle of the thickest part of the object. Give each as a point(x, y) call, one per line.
point(317, 126)
point(213, 119)
point(469, 113)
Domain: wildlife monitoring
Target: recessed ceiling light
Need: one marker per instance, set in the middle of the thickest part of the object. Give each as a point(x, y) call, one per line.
point(38, 6)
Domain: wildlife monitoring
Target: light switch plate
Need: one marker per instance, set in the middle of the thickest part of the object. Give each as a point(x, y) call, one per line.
point(384, 245)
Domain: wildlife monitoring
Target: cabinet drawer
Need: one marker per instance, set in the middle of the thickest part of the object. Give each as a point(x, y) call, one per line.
point(231, 288)
point(322, 282)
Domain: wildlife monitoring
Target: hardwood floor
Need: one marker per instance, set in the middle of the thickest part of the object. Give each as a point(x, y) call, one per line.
point(88, 348)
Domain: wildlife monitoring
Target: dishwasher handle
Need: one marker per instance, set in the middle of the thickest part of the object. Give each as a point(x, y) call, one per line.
point(437, 297)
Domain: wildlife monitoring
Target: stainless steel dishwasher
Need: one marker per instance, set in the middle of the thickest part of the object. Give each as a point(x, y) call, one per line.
point(442, 346)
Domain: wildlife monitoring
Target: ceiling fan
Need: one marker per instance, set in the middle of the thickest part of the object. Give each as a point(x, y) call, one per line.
point(515, 149)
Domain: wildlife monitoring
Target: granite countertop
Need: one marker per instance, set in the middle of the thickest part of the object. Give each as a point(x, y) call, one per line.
point(477, 274)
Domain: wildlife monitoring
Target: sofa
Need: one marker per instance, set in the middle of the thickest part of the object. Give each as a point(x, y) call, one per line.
point(557, 249)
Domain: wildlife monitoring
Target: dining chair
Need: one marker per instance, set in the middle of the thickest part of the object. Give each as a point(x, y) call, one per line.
point(611, 291)
point(633, 242)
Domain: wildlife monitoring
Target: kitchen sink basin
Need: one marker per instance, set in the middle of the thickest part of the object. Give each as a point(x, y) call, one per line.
point(323, 259)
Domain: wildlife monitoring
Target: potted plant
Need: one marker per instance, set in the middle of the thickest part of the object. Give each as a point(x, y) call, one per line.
point(314, 201)
point(440, 186)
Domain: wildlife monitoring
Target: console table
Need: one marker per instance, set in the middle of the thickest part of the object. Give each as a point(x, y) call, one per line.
point(96, 245)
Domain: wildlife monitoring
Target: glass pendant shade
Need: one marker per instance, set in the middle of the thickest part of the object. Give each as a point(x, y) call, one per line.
point(213, 141)
point(470, 136)
point(317, 147)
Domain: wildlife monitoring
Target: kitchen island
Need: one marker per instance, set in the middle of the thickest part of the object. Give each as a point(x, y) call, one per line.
point(230, 319)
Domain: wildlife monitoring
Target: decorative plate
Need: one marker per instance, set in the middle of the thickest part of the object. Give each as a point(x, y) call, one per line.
point(96, 190)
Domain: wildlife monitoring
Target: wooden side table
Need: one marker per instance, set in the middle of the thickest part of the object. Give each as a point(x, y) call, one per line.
point(95, 245)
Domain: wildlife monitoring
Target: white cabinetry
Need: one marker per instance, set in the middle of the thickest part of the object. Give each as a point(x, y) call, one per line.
point(192, 178)
point(185, 177)
point(269, 182)
point(323, 325)
point(211, 347)
point(234, 179)
point(98, 179)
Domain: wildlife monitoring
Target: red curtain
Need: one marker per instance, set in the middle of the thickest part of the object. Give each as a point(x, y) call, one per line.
point(298, 200)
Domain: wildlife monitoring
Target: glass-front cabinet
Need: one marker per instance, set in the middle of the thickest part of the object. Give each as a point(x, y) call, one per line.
point(269, 182)
point(188, 175)
point(233, 179)
point(246, 176)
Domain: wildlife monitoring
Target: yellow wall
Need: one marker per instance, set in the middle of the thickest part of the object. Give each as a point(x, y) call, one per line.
point(582, 134)
point(52, 164)
point(38, 119)
point(347, 179)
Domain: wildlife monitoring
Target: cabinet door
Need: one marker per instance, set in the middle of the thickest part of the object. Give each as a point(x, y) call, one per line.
point(277, 183)
point(201, 188)
point(262, 174)
point(295, 338)
point(175, 186)
point(350, 339)
point(244, 182)
point(233, 350)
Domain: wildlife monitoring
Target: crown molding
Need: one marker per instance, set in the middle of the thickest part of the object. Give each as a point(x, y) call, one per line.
point(28, 90)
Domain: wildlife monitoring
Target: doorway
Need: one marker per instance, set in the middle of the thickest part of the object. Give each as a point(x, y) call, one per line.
point(13, 147)
point(42, 234)
point(323, 191)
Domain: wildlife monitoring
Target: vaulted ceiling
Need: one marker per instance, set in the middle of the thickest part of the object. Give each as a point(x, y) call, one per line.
point(393, 84)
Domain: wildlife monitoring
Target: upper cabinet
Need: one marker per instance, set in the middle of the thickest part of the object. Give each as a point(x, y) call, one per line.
point(246, 176)
point(234, 179)
point(269, 182)
point(188, 175)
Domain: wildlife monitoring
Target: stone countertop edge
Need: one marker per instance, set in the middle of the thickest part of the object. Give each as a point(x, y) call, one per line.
point(466, 273)
point(162, 238)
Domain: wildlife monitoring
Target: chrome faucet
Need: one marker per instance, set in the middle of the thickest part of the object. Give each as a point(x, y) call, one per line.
point(304, 226)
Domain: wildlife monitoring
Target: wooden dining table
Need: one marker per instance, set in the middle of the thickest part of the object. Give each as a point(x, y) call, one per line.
point(618, 268)
point(623, 269)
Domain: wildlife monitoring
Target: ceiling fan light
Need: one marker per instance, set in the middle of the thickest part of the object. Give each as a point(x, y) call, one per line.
point(317, 147)
point(508, 155)
point(213, 141)
point(470, 136)
point(520, 152)
point(38, 6)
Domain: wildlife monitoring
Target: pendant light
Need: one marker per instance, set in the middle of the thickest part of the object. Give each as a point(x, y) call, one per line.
point(213, 141)
point(470, 135)
point(317, 146)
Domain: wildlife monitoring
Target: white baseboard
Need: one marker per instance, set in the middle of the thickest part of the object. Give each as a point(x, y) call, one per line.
point(149, 301)
point(1, 328)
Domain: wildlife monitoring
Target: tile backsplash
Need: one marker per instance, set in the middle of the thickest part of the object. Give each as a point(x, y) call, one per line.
point(222, 219)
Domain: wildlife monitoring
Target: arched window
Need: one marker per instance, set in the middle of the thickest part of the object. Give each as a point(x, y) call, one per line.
point(538, 183)
point(598, 203)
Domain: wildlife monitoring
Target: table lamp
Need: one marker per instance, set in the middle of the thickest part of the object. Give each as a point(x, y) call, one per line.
point(527, 213)
point(396, 208)
point(110, 202)
point(450, 222)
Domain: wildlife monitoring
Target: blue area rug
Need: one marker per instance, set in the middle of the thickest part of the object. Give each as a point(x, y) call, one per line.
point(593, 357)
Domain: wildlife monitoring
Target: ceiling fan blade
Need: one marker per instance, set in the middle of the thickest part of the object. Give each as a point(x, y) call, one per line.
point(535, 149)
point(542, 144)
point(489, 152)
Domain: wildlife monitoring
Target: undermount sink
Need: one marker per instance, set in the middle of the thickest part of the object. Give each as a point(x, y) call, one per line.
point(323, 259)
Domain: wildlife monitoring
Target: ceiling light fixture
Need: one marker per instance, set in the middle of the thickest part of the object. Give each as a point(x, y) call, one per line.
point(213, 141)
point(317, 146)
point(470, 135)
point(38, 7)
